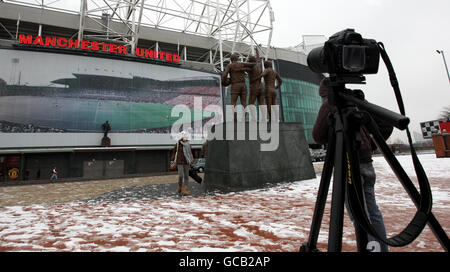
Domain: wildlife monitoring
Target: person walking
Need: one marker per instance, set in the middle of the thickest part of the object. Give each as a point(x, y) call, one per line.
point(54, 174)
point(183, 158)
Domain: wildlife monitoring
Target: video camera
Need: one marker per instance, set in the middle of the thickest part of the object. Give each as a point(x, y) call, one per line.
point(345, 53)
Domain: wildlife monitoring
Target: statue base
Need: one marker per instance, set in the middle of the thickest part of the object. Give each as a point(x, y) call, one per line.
point(234, 165)
point(106, 141)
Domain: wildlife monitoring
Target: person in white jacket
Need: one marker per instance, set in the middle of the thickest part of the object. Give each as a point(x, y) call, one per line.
point(183, 158)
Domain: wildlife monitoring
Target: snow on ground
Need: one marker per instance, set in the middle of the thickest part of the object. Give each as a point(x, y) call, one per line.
point(273, 219)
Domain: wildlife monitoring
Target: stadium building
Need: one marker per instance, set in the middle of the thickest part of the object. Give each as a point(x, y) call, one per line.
point(69, 66)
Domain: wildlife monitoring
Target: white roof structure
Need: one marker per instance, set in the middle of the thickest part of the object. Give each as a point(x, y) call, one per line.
point(231, 26)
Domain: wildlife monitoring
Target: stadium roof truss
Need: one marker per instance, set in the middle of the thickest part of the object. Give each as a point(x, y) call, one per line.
point(237, 26)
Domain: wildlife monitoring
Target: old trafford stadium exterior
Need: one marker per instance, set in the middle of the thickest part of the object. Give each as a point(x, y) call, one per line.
point(65, 72)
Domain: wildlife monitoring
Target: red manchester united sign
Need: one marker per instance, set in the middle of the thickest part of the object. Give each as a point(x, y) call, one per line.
point(95, 46)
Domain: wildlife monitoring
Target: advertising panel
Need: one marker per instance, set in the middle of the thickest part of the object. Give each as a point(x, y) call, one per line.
point(52, 92)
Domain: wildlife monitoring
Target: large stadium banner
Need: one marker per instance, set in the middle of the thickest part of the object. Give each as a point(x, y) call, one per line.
point(57, 92)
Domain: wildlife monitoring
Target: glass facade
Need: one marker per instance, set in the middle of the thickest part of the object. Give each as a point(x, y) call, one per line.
point(300, 103)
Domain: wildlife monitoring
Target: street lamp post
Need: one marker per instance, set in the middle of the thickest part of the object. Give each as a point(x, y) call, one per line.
point(441, 52)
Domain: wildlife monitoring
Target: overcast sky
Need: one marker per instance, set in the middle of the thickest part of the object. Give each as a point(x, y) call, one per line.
point(411, 31)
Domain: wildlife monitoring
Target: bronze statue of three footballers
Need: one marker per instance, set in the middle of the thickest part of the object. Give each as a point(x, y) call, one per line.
point(237, 71)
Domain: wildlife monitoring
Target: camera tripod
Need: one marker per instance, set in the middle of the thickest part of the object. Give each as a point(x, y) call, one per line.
point(352, 114)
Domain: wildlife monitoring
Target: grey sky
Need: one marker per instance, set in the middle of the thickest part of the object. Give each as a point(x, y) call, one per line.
point(411, 32)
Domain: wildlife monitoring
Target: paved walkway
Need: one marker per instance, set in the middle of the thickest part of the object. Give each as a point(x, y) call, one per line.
point(64, 192)
point(109, 190)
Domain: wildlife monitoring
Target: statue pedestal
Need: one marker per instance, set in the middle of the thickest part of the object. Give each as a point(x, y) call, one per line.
point(106, 141)
point(233, 165)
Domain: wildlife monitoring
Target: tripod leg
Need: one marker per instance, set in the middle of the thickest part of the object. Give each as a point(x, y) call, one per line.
point(404, 179)
point(361, 238)
point(338, 197)
point(319, 208)
point(354, 176)
point(438, 232)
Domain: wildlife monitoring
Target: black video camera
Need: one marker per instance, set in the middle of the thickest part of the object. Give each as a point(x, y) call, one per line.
point(346, 53)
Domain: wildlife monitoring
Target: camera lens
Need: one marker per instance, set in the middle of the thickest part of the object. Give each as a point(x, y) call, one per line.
point(316, 60)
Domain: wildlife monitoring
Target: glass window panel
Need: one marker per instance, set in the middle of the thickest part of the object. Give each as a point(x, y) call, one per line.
point(301, 103)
